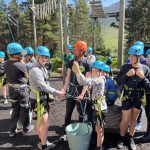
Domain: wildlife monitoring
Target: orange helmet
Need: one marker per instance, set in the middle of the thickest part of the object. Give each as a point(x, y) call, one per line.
point(81, 45)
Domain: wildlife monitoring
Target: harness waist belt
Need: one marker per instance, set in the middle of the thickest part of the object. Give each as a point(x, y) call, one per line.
point(111, 92)
point(75, 84)
point(18, 85)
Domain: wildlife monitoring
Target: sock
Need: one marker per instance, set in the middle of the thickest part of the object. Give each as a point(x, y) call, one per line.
point(130, 137)
point(122, 138)
point(44, 146)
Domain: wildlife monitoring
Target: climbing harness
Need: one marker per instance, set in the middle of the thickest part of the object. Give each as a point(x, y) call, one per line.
point(2, 81)
point(100, 107)
point(40, 107)
point(83, 108)
point(132, 92)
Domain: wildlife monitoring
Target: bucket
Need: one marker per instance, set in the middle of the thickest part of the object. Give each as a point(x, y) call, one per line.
point(79, 135)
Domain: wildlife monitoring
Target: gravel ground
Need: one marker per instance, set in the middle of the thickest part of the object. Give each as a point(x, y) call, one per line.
point(57, 113)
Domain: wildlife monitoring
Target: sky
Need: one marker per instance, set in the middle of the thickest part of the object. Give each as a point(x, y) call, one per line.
point(105, 2)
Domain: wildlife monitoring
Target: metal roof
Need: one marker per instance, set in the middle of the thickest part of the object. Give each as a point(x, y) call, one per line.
point(97, 9)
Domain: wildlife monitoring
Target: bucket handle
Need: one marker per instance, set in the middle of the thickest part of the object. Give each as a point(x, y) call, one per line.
point(88, 123)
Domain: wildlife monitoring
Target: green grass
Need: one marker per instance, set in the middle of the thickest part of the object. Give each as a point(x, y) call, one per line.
point(110, 37)
point(110, 34)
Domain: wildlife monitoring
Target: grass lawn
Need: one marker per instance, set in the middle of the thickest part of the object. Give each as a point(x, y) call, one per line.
point(110, 37)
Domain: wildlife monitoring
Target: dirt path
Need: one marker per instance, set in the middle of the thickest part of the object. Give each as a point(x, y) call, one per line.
point(57, 113)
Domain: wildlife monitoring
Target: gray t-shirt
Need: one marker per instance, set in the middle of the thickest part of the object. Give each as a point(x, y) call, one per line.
point(15, 72)
point(37, 81)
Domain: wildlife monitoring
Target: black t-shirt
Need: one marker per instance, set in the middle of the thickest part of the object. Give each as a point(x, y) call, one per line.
point(84, 67)
point(15, 72)
point(133, 82)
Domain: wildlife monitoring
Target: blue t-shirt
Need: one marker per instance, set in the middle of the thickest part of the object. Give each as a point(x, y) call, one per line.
point(111, 89)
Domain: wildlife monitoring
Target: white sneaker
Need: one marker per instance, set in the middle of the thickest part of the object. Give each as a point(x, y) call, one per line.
point(5, 101)
point(64, 138)
point(49, 145)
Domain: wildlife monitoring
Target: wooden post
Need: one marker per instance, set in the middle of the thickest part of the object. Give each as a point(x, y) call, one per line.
point(34, 25)
point(66, 37)
point(121, 33)
point(61, 27)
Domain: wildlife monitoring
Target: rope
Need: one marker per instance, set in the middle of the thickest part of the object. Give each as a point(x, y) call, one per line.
point(10, 30)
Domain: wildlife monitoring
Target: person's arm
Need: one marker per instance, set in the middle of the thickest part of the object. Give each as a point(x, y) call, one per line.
point(145, 78)
point(122, 77)
point(67, 80)
point(62, 71)
point(85, 87)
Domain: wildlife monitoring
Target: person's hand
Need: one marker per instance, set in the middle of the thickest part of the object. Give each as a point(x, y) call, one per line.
point(75, 67)
point(140, 73)
point(63, 92)
point(131, 72)
point(80, 98)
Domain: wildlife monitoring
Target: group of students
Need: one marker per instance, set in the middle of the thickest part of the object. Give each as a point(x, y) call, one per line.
point(87, 79)
point(24, 72)
point(28, 87)
point(134, 77)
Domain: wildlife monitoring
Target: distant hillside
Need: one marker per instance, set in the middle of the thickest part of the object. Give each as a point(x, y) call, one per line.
point(110, 34)
point(114, 7)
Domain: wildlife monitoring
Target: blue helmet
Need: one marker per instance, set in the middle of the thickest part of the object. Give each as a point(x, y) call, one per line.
point(147, 52)
point(99, 65)
point(42, 51)
point(136, 50)
point(102, 65)
point(14, 48)
point(2, 54)
point(69, 46)
point(139, 43)
point(29, 50)
point(89, 50)
point(109, 58)
point(107, 69)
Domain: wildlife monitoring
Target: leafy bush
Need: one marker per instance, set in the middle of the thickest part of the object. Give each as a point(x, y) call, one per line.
point(104, 59)
point(56, 63)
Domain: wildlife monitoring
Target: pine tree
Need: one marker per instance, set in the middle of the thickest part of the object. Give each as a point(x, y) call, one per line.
point(80, 24)
point(137, 21)
point(4, 31)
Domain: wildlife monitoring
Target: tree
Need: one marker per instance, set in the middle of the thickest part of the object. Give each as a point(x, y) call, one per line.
point(137, 24)
point(80, 24)
point(4, 31)
point(137, 21)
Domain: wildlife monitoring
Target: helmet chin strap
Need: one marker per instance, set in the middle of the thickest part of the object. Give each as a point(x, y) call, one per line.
point(137, 60)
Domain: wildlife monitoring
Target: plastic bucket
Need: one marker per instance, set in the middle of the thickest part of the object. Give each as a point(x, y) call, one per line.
point(79, 135)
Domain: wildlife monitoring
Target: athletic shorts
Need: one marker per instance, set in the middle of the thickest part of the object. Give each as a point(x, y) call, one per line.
point(33, 105)
point(129, 104)
point(96, 119)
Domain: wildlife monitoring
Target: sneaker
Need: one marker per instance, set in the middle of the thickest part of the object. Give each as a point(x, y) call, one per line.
point(5, 101)
point(132, 144)
point(49, 145)
point(138, 126)
point(145, 138)
point(48, 148)
point(99, 148)
point(29, 129)
point(120, 143)
point(12, 134)
point(63, 138)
